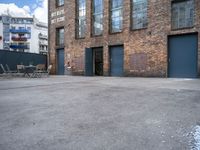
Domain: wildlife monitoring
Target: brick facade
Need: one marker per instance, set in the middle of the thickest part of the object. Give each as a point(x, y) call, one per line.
point(145, 50)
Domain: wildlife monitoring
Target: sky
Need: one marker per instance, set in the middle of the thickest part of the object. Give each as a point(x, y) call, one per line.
point(25, 8)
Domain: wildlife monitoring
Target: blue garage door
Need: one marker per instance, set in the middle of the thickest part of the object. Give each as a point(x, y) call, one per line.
point(182, 55)
point(116, 61)
point(89, 62)
point(60, 62)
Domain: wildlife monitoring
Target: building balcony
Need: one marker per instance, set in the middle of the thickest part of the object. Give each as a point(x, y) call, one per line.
point(19, 38)
point(15, 46)
point(43, 51)
point(45, 43)
point(24, 31)
point(42, 36)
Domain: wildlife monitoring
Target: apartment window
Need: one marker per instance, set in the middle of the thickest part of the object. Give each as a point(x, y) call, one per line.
point(60, 36)
point(97, 17)
point(60, 2)
point(81, 19)
point(116, 15)
point(182, 14)
point(139, 14)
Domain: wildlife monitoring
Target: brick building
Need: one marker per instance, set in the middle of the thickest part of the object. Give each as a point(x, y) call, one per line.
point(155, 38)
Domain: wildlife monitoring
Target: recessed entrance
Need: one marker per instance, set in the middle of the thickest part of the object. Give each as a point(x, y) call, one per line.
point(94, 61)
point(98, 61)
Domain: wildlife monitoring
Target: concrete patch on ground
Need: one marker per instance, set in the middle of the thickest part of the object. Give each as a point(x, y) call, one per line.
point(195, 142)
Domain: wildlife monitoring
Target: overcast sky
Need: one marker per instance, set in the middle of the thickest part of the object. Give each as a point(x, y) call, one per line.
point(25, 8)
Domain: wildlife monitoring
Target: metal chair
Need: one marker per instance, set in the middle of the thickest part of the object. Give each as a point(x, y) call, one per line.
point(20, 70)
point(5, 73)
point(39, 73)
point(10, 71)
point(3, 69)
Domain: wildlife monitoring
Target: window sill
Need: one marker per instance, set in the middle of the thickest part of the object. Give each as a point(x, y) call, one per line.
point(60, 46)
point(81, 38)
point(93, 36)
point(58, 6)
point(113, 33)
point(183, 28)
point(139, 29)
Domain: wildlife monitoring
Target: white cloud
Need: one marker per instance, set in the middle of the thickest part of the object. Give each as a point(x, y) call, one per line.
point(14, 10)
point(27, 9)
point(40, 10)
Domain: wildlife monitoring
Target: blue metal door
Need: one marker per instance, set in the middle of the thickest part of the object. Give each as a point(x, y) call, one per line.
point(89, 62)
point(183, 50)
point(116, 61)
point(60, 62)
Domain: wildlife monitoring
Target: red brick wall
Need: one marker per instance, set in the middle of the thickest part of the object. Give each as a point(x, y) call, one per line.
point(147, 46)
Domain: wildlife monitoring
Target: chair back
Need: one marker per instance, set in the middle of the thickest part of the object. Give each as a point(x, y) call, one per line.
point(40, 67)
point(2, 67)
point(49, 69)
point(20, 68)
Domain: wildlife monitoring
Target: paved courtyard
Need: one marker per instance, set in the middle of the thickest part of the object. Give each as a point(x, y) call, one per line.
point(99, 113)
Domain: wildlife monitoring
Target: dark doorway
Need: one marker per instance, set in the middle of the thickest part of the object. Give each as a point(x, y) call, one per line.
point(94, 61)
point(60, 62)
point(98, 61)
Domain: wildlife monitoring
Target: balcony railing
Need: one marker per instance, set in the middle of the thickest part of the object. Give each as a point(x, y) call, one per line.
point(20, 31)
point(14, 46)
point(45, 43)
point(19, 38)
point(43, 50)
point(42, 36)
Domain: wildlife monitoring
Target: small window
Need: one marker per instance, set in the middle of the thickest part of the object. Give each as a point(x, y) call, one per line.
point(182, 14)
point(97, 19)
point(116, 15)
point(60, 36)
point(139, 14)
point(60, 2)
point(81, 18)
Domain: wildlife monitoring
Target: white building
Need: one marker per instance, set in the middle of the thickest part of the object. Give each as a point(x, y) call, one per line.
point(23, 34)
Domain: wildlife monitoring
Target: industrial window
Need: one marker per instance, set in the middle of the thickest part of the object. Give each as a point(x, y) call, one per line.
point(97, 17)
point(81, 19)
point(60, 2)
point(139, 14)
point(182, 14)
point(60, 36)
point(116, 15)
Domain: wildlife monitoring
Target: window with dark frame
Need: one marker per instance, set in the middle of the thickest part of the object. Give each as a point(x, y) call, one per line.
point(116, 18)
point(182, 14)
point(60, 2)
point(97, 17)
point(60, 36)
point(81, 18)
point(139, 14)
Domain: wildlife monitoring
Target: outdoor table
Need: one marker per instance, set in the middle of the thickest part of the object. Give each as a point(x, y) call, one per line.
point(29, 70)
